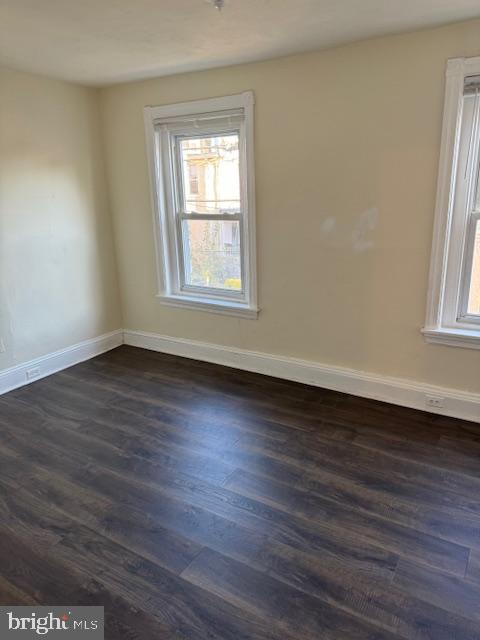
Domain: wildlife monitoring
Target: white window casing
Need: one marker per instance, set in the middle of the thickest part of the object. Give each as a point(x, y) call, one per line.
point(165, 127)
point(448, 319)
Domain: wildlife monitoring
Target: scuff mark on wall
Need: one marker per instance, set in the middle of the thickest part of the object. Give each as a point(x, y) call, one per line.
point(362, 235)
point(328, 225)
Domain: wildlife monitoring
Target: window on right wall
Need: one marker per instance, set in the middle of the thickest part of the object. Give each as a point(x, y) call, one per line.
point(453, 310)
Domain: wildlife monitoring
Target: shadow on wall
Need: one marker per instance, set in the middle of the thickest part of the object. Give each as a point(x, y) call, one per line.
point(57, 275)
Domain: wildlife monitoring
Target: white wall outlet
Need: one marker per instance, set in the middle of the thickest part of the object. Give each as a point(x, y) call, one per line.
point(2, 346)
point(434, 401)
point(31, 374)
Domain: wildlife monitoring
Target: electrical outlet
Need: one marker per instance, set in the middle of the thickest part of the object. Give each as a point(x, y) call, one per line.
point(2, 346)
point(434, 401)
point(30, 374)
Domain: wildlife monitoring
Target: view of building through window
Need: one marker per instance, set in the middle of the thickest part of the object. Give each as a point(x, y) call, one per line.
point(474, 292)
point(211, 187)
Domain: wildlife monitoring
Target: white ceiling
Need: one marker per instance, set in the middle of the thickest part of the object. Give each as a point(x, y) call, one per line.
point(101, 42)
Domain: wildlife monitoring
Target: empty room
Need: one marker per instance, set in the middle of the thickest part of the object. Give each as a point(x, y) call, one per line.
point(240, 319)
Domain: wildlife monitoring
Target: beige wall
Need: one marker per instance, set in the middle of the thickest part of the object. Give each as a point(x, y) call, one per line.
point(57, 272)
point(347, 145)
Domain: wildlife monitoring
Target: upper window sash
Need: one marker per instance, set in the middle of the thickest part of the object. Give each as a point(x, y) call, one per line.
point(178, 173)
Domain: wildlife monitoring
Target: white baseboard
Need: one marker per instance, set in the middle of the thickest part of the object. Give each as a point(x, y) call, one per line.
point(400, 391)
point(27, 372)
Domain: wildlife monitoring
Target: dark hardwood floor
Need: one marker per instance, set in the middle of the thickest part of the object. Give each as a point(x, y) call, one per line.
point(202, 503)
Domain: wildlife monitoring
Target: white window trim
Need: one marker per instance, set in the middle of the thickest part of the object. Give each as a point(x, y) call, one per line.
point(167, 293)
point(441, 325)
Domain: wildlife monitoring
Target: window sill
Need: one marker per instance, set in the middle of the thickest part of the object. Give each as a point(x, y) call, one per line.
point(223, 307)
point(464, 338)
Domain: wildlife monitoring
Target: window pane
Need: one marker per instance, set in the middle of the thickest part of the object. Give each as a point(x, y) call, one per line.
point(474, 293)
point(212, 253)
point(211, 174)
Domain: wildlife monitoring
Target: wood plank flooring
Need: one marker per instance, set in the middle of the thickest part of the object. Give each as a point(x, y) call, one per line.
point(196, 502)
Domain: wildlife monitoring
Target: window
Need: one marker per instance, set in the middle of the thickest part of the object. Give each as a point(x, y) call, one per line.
point(453, 314)
point(201, 167)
